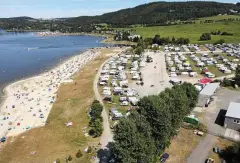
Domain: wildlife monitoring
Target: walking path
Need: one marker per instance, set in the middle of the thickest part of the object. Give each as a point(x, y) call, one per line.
point(107, 135)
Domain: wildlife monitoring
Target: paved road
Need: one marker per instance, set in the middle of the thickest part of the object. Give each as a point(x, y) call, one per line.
point(201, 152)
point(153, 76)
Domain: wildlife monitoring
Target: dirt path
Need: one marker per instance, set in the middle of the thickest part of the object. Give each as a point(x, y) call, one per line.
point(107, 135)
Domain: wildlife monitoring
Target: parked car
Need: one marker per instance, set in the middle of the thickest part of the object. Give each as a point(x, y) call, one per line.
point(164, 157)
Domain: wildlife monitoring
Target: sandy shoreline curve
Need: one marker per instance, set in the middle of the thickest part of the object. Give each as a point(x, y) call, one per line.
point(28, 102)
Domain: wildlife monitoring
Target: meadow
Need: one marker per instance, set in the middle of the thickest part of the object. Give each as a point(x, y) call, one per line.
point(194, 31)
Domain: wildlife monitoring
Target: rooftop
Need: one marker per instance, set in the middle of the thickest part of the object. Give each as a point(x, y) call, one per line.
point(209, 89)
point(233, 110)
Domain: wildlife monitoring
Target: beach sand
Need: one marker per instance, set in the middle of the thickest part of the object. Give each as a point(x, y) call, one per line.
point(28, 102)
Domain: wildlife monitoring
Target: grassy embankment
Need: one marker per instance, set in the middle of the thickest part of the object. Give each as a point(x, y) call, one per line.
point(222, 144)
point(55, 140)
point(182, 145)
point(194, 31)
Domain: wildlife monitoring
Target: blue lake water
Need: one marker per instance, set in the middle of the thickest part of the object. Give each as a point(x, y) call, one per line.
point(25, 54)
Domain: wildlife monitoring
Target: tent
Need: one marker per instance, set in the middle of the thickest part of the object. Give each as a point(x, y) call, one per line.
point(205, 80)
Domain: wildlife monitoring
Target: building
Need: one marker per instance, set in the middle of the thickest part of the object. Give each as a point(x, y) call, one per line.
point(206, 93)
point(232, 117)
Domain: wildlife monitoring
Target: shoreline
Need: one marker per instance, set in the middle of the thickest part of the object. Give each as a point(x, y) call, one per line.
point(19, 92)
point(56, 65)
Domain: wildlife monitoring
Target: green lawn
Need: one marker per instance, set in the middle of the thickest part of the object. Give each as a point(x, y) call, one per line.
point(193, 31)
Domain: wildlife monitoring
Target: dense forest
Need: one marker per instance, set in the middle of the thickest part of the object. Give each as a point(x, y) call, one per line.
point(160, 12)
point(147, 14)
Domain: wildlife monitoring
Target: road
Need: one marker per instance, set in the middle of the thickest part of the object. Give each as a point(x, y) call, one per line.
point(157, 76)
point(107, 135)
point(201, 152)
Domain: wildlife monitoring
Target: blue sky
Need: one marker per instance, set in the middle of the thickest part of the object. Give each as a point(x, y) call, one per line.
point(66, 8)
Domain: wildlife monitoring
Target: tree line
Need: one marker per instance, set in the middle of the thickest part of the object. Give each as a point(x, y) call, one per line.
point(96, 121)
point(148, 130)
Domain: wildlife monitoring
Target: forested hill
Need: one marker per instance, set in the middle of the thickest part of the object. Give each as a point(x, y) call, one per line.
point(148, 14)
point(160, 12)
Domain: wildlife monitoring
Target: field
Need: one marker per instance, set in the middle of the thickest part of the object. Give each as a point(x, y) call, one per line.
point(194, 31)
point(55, 140)
point(182, 145)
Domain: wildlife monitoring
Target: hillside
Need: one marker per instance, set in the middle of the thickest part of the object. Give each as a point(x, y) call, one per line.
point(193, 31)
point(148, 14)
point(159, 12)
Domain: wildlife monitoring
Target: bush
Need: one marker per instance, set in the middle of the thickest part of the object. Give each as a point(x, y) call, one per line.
point(57, 161)
point(221, 41)
point(97, 128)
point(205, 36)
point(226, 82)
point(79, 154)
point(202, 127)
point(89, 150)
point(69, 158)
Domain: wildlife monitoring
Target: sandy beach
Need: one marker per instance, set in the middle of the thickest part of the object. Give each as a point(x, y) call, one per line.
point(28, 102)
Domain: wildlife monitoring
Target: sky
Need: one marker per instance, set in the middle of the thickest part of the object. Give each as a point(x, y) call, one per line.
point(67, 8)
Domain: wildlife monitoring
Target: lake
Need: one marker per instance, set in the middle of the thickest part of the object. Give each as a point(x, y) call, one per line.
point(25, 54)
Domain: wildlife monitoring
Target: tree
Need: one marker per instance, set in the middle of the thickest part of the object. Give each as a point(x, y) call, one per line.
point(192, 94)
point(79, 154)
point(96, 110)
point(149, 129)
point(156, 39)
point(153, 108)
point(221, 41)
point(97, 128)
point(134, 135)
point(237, 73)
point(96, 119)
point(139, 50)
point(205, 36)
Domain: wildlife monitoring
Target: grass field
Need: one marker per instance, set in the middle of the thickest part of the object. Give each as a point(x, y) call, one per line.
point(55, 140)
point(194, 31)
point(182, 145)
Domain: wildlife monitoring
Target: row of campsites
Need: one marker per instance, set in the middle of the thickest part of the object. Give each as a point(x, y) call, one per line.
point(235, 48)
point(191, 64)
point(114, 81)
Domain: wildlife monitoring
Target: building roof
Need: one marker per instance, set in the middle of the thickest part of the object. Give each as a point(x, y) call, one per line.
point(233, 110)
point(209, 89)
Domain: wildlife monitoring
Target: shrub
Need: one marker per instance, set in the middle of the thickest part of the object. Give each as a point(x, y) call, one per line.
point(226, 82)
point(89, 149)
point(79, 154)
point(69, 158)
point(202, 128)
point(221, 41)
point(57, 160)
point(205, 36)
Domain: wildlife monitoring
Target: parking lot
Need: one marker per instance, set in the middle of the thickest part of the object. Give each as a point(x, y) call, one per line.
point(154, 75)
